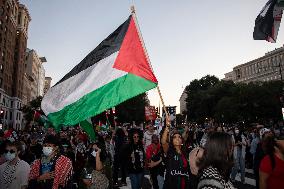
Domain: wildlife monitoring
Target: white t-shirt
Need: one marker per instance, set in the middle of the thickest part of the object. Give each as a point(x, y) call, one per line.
point(148, 138)
point(14, 177)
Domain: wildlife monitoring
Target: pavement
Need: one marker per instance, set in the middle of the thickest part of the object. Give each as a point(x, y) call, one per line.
point(249, 181)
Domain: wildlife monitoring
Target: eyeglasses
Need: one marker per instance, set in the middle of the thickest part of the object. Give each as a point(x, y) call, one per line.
point(135, 136)
point(11, 151)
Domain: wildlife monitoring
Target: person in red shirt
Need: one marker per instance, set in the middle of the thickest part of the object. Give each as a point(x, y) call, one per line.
point(152, 157)
point(271, 171)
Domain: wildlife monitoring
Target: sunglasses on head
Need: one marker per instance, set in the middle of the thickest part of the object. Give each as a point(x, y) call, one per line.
point(11, 151)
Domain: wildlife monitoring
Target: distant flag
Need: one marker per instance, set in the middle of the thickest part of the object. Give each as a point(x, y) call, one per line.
point(115, 71)
point(268, 21)
point(41, 118)
point(87, 126)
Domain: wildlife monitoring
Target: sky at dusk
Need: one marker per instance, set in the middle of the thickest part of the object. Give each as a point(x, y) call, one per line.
point(185, 39)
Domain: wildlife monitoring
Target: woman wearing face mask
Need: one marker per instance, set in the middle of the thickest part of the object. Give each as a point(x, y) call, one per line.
point(53, 170)
point(177, 169)
point(14, 172)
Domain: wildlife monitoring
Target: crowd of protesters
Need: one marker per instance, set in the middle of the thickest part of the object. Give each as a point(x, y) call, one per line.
point(187, 157)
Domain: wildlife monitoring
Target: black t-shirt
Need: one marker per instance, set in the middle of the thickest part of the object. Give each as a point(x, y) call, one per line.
point(136, 158)
point(160, 168)
point(177, 170)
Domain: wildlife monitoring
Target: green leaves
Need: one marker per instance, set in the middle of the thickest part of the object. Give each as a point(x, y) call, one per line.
point(228, 102)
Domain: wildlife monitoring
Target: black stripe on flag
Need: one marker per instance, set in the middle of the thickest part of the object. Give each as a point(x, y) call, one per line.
point(107, 47)
point(264, 22)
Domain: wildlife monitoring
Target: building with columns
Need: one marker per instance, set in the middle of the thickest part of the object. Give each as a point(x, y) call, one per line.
point(266, 68)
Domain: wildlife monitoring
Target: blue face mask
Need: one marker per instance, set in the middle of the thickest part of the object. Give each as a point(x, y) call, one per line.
point(10, 156)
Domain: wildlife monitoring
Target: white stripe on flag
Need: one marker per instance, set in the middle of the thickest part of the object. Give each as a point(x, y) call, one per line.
point(74, 88)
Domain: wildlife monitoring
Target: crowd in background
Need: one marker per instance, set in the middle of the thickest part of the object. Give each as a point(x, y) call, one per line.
point(190, 156)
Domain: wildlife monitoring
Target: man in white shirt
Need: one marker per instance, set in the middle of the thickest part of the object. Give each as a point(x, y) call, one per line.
point(14, 172)
point(148, 135)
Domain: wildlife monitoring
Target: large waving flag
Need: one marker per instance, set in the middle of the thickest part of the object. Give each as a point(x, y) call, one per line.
point(268, 21)
point(116, 70)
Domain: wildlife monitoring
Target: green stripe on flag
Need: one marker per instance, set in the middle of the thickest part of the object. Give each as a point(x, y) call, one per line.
point(87, 126)
point(103, 98)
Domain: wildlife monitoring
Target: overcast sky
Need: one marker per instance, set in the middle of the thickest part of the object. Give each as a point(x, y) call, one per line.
point(185, 39)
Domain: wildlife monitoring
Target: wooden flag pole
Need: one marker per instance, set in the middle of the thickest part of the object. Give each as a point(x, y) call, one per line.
point(148, 59)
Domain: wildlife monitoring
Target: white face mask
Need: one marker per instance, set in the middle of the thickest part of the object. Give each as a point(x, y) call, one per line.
point(237, 131)
point(94, 153)
point(47, 151)
point(10, 156)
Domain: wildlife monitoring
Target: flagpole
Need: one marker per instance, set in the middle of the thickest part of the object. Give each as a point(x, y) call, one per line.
point(132, 8)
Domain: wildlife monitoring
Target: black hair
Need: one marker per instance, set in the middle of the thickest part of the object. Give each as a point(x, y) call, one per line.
point(218, 154)
point(172, 137)
point(16, 144)
point(132, 133)
point(171, 144)
point(51, 139)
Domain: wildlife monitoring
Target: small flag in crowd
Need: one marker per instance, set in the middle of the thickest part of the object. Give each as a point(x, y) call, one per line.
point(41, 118)
point(116, 70)
point(87, 126)
point(268, 21)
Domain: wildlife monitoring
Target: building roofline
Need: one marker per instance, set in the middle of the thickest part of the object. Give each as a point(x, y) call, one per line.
point(183, 92)
point(275, 51)
point(26, 9)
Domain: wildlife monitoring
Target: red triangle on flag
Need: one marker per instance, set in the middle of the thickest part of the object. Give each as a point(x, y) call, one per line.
point(131, 57)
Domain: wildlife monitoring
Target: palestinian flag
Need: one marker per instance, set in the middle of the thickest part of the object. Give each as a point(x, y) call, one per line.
point(268, 21)
point(87, 126)
point(116, 70)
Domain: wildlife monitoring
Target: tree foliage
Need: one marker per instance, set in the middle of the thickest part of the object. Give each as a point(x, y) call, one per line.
point(227, 102)
point(132, 109)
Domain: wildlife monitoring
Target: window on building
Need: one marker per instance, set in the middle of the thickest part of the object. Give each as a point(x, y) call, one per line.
point(11, 115)
point(19, 18)
point(11, 104)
